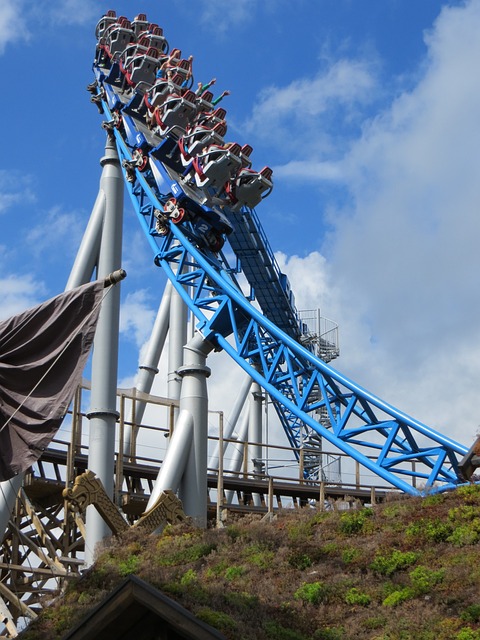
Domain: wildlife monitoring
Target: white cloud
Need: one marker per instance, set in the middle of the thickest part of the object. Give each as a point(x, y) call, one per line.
point(416, 186)
point(63, 12)
point(404, 257)
point(137, 257)
point(223, 14)
point(309, 278)
point(73, 11)
point(19, 293)
point(12, 23)
point(20, 19)
point(336, 91)
point(310, 170)
point(14, 189)
point(137, 316)
point(57, 228)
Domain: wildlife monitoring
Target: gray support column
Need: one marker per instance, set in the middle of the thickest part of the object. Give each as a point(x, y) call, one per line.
point(255, 449)
point(103, 412)
point(8, 495)
point(173, 467)
point(149, 369)
point(177, 340)
point(235, 464)
point(194, 400)
point(88, 252)
point(232, 419)
point(85, 262)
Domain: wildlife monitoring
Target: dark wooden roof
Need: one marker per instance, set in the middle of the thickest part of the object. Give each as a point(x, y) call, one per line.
point(137, 610)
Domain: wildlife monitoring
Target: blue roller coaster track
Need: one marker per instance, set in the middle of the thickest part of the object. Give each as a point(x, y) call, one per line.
point(193, 193)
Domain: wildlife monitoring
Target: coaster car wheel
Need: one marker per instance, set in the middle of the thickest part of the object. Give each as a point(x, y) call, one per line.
point(141, 160)
point(173, 211)
point(178, 215)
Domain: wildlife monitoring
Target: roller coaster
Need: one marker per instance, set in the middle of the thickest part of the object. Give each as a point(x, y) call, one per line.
point(194, 195)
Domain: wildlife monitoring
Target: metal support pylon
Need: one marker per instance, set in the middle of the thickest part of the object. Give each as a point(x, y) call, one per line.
point(194, 400)
point(103, 410)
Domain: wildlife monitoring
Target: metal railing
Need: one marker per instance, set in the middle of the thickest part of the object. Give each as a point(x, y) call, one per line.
point(135, 471)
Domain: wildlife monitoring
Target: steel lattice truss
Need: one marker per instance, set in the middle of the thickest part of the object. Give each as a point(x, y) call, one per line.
point(405, 453)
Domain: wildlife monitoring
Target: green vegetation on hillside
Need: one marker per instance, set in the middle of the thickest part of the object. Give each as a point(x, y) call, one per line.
point(405, 570)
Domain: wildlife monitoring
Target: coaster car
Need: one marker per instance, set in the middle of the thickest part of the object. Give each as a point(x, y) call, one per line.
point(141, 68)
point(155, 37)
point(162, 88)
point(199, 138)
point(176, 113)
point(249, 187)
point(105, 21)
point(118, 36)
point(140, 24)
point(217, 165)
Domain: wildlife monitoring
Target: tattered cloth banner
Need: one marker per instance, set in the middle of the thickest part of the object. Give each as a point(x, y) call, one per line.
point(43, 352)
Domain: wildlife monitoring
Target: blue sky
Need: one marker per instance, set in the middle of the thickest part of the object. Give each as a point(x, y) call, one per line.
point(368, 112)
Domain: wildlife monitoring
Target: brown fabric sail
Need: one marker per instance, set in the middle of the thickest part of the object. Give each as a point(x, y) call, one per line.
point(43, 352)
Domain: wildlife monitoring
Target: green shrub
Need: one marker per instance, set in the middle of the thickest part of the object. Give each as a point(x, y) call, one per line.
point(312, 592)
point(299, 560)
point(350, 555)
point(275, 631)
point(465, 512)
point(394, 510)
point(424, 579)
point(466, 522)
point(217, 569)
point(377, 622)
point(234, 572)
point(464, 535)
point(467, 634)
point(217, 619)
point(330, 549)
point(470, 493)
point(471, 613)
point(60, 617)
point(233, 532)
point(355, 597)
point(299, 531)
point(394, 561)
point(242, 601)
point(433, 499)
point(354, 521)
point(435, 530)
point(399, 596)
point(129, 565)
point(259, 556)
point(188, 577)
point(190, 553)
point(85, 598)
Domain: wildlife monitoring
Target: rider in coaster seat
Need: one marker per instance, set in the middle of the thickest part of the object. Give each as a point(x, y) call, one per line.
point(105, 21)
point(249, 187)
point(118, 36)
point(198, 138)
point(140, 24)
point(156, 38)
point(141, 69)
point(132, 50)
point(176, 113)
point(216, 165)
